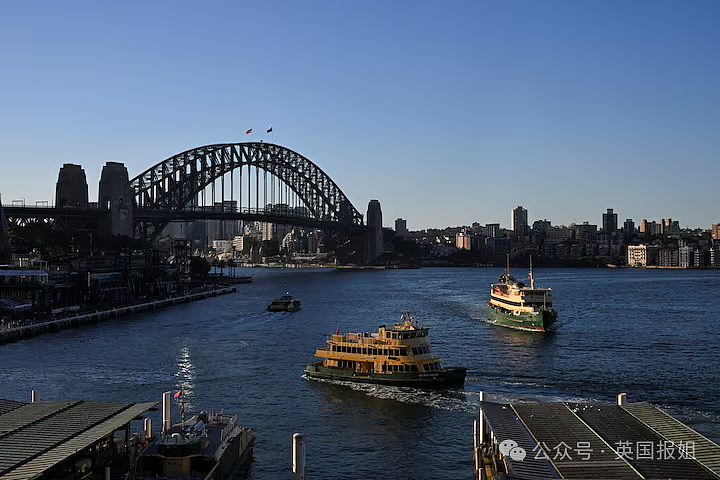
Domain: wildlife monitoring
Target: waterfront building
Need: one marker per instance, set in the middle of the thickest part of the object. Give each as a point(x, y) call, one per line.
point(697, 258)
point(641, 255)
point(222, 246)
point(401, 228)
point(491, 230)
point(685, 255)
point(463, 240)
point(239, 242)
point(715, 255)
point(519, 221)
point(715, 232)
point(668, 257)
point(609, 221)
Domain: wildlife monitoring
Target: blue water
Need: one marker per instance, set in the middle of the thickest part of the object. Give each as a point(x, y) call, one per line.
point(651, 333)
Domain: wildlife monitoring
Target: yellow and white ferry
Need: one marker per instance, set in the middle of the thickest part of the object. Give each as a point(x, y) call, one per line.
point(397, 355)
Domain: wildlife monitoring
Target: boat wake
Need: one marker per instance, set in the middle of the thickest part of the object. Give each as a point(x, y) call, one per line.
point(449, 400)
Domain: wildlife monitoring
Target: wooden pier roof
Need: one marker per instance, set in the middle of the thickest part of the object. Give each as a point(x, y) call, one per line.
point(35, 437)
point(571, 440)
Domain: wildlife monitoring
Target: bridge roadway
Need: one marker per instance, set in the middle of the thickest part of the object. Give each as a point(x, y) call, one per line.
point(186, 215)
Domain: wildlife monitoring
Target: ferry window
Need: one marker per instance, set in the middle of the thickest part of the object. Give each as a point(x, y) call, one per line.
point(385, 351)
point(342, 349)
point(387, 334)
point(412, 334)
point(403, 352)
point(364, 350)
point(394, 335)
point(414, 350)
point(413, 368)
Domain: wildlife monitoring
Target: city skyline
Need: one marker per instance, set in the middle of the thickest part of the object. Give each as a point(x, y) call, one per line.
point(446, 119)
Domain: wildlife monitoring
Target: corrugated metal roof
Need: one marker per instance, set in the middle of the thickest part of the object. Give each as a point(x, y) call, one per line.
point(706, 452)
point(505, 425)
point(8, 405)
point(27, 414)
point(574, 449)
point(28, 451)
point(627, 434)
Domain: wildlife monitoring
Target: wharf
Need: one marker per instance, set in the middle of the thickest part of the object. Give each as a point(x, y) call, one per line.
point(572, 440)
point(36, 328)
point(71, 439)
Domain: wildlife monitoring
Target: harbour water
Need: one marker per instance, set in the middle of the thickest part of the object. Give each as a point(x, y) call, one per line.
point(650, 333)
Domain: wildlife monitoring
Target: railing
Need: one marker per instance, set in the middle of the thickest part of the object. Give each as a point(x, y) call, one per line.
point(229, 427)
point(250, 210)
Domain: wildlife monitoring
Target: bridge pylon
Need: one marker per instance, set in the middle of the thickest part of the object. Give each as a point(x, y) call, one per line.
point(116, 196)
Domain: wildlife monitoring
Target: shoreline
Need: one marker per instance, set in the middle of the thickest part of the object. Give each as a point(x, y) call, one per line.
point(13, 334)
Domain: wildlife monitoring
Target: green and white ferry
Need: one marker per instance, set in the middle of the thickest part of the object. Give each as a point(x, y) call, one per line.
point(515, 305)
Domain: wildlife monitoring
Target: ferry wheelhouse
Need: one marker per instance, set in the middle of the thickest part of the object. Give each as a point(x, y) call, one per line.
point(397, 355)
point(515, 305)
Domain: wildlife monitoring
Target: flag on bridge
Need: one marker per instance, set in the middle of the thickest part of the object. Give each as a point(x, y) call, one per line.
point(248, 132)
point(269, 130)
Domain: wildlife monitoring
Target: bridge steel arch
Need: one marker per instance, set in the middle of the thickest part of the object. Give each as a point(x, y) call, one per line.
point(174, 183)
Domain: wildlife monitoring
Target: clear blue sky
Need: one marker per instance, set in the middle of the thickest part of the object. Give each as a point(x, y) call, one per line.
point(447, 112)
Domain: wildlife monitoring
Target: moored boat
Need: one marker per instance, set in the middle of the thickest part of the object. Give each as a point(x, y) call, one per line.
point(209, 446)
point(286, 303)
point(515, 305)
point(398, 355)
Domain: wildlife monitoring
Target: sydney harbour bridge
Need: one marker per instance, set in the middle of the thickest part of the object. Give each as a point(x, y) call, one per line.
point(252, 181)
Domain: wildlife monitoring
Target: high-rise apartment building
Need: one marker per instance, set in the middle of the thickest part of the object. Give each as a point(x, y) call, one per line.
point(609, 221)
point(716, 231)
point(401, 228)
point(375, 238)
point(628, 230)
point(519, 221)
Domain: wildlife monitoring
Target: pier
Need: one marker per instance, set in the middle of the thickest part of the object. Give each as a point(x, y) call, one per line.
point(15, 333)
point(574, 440)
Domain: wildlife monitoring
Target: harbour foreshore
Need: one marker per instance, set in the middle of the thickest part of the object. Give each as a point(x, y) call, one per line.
point(15, 333)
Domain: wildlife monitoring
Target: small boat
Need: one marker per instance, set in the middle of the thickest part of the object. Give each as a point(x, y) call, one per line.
point(206, 446)
point(399, 355)
point(515, 305)
point(286, 303)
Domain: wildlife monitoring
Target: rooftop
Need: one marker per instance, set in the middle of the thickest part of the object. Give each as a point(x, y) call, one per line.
point(571, 440)
point(36, 437)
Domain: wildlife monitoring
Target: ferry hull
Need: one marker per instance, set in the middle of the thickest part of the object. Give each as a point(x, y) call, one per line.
point(444, 378)
point(528, 321)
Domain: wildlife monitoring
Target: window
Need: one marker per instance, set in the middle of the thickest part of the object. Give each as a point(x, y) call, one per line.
point(403, 352)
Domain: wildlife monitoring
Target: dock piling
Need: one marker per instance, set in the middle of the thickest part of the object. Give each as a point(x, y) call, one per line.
point(34, 396)
point(166, 402)
point(147, 424)
point(481, 420)
point(299, 456)
point(621, 399)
